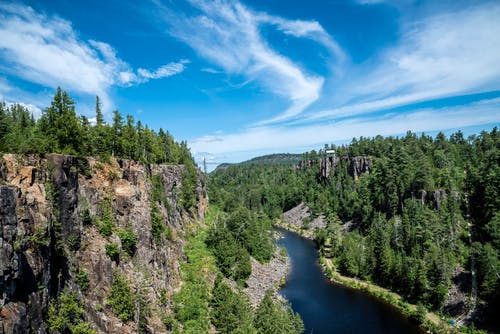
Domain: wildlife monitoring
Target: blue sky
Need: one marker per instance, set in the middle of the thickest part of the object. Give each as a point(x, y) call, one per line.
point(238, 79)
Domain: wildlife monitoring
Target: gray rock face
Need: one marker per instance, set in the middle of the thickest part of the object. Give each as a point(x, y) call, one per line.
point(360, 165)
point(327, 165)
point(44, 240)
point(300, 217)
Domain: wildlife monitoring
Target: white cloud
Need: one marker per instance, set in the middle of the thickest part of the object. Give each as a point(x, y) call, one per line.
point(449, 54)
point(210, 70)
point(164, 71)
point(34, 110)
point(281, 138)
point(46, 50)
point(227, 34)
point(308, 29)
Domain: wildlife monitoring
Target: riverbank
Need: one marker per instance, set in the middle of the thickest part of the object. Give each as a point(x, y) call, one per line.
point(266, 276)
point(304, 233)
point(431, 322)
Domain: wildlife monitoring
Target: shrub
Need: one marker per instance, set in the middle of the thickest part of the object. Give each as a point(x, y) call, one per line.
point(157, 227)
point(105, 221)
point(67, 312)
point(112, 250)
point(129, 241)
point(82, 278)
point(120, 299)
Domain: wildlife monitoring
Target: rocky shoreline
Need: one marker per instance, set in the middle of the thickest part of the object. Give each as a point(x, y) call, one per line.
point(266, 276)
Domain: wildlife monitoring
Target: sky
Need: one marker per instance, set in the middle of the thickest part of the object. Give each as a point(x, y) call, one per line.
point(238, 79)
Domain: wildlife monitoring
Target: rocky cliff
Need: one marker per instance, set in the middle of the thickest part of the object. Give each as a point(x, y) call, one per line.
point(327, 165)
point(70, 226)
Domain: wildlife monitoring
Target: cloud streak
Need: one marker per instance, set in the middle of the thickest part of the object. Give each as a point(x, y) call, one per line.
point(282, 138)
point(227, 34)
point(449, 54)
point(46, 50)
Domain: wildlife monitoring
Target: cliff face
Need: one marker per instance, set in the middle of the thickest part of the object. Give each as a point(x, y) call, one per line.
point(52, 215)
point(327, 165)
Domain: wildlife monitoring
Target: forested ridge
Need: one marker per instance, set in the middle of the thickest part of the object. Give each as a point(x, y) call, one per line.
point(408, 216)
point(61, 130)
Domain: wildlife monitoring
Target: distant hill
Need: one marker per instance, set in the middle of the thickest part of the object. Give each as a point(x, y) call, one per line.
point(270, 159)
point(273, 159)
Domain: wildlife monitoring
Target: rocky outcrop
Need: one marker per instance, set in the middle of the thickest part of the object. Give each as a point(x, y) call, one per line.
point(300, 217)
point(50, 210)
point(359, 165)
point(435, 198)
point(356, 166)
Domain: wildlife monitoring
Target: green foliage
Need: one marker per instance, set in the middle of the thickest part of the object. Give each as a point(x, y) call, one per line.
point(112, 250)
point(189, 179)
point(60, 130)
point(232, 258)
point(120, 298)
point(67, 314)
point(231, 311)
point(129, 241)
point(157, 225)
point(157, 189)
point(105, 222)
point(40, 237)
point(82, 279)
point(276, 318)
point(191, 303)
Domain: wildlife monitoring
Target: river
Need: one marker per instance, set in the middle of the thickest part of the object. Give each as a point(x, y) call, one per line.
point(331, 308)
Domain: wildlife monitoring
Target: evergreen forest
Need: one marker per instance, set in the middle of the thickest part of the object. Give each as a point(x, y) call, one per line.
point(426, 209)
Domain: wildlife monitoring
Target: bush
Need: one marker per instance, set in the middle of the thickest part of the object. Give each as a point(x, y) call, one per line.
point(120, 299)
point(157, 227)
point(82, 278)
point(67, 312)
point(105, 221)
point(112, 250)
point(129, 241)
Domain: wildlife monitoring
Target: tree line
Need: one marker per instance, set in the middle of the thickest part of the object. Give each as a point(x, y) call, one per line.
point(60, 130)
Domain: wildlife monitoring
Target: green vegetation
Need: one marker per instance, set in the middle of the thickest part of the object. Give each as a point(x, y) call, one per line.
point(129, 241)
point(276, 318)
point(157, 226)
point(407, 216)
point(231, 311)
point(82, 279)
point(67, 315)
point(105, 223)
point(112, 250)
point(234, 237)
point(120, 299)
point(61, 130)
point(197, 307)
point(191, 303)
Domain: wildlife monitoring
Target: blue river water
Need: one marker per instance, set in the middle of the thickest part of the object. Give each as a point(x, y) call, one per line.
point(330, 308)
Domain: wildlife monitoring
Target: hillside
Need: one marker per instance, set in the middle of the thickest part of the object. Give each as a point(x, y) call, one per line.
point(270, 159)
point(274, 159)
point(417, 215)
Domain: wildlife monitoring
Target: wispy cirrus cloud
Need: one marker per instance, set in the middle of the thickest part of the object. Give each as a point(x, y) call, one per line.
point(449, 54)
point(283, 138)
point(164, 71)
point(47, 50)
point(227, 34)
